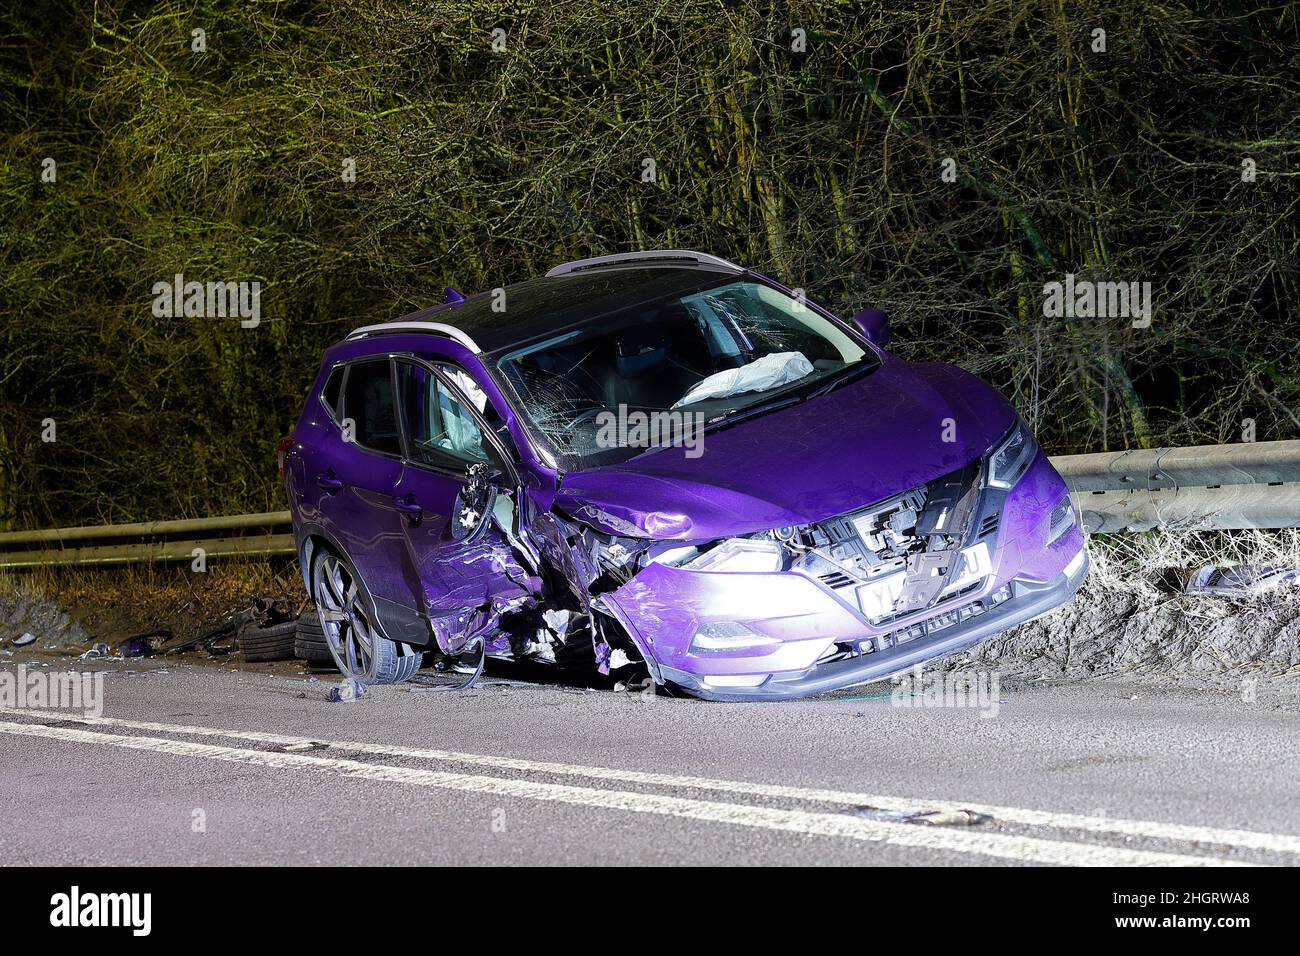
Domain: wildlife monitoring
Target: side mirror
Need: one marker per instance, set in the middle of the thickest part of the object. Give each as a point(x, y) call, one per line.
point(874, 324)
point(472, 510)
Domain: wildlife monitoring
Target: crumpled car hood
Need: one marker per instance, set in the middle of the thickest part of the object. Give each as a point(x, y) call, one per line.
point(863, 442)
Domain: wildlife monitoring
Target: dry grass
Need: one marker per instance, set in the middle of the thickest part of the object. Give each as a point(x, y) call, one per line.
point(113, 603)
point(1151, 565)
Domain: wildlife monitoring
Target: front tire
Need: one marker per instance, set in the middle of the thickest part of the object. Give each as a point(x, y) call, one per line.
point(360, 651)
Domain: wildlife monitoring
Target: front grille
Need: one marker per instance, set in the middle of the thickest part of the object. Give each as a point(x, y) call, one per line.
point(942, 600)
point(943, 620)
point(988, 525)
point(835, 579)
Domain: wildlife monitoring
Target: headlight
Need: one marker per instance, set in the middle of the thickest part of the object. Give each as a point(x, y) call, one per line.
point(1063, 519)
point(1011, 459)
point(728, 636)
point(739, 554)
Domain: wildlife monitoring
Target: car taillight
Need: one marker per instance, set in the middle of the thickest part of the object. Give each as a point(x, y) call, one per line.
point(281, 449)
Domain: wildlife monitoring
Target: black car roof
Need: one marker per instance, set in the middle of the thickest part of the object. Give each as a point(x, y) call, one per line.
point(537, 308)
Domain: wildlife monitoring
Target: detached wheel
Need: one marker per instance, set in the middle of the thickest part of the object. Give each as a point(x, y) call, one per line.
point(343, 605)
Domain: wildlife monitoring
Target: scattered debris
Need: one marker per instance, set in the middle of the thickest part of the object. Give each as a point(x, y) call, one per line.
point(24, 614)
point(223, 639)
point(99, 650)
point(347, 691)
point(1239, 581)
point(469, 664)
point(139, 646)
point(929, 818)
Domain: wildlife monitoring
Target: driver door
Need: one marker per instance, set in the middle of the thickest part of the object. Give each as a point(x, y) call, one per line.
point(457, 579)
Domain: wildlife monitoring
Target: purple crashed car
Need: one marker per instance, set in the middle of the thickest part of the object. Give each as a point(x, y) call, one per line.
point(672, 465)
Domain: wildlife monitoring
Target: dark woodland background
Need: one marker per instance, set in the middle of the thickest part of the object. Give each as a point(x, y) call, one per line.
point(477, 168)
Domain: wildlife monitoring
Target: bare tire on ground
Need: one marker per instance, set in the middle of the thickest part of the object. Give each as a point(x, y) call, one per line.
point(274, 643)
point(309, 643)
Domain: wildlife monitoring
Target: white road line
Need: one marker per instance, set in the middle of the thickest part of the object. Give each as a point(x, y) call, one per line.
point(1245, 839)
point(1025, 849)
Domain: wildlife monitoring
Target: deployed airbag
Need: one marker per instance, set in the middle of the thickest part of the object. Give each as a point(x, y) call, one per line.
point(779, 368)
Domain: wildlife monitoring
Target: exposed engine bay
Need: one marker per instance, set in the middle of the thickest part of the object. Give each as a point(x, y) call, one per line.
point(917, 535)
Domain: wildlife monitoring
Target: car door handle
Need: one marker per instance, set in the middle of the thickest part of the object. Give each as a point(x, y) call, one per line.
point(409, 505)
point(328, 482)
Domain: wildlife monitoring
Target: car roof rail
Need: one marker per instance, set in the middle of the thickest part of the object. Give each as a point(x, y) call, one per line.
point(666, 256)
point(435, 328)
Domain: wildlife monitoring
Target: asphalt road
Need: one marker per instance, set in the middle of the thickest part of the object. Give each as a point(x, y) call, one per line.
point(196, 764)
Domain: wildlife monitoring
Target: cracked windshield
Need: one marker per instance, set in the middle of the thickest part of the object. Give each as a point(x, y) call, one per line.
point(731, 349)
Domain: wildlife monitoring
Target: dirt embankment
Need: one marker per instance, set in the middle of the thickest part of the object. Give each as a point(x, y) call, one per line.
point(1108, 634)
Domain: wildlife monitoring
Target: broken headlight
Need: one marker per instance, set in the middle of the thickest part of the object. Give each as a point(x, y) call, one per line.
point(1011, 458)
point(754, 555)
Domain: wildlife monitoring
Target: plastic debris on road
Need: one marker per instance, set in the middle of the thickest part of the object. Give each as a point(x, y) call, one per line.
point(929, 818)
point(135, 647)
point(349, 690)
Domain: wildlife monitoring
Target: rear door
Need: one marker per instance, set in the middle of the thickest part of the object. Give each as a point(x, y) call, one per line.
point(355, 478)
point(457, 583)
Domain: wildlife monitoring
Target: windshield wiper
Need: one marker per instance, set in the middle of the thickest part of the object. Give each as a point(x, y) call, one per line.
point(845, 375)
point(753, 411)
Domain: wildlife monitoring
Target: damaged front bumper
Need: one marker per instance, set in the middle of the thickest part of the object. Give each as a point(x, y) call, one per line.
point(773, 635)
point(1027, 600)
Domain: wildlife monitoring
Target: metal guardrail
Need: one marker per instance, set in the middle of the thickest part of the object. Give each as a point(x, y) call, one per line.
point(1251, 485)
point(221, 537)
